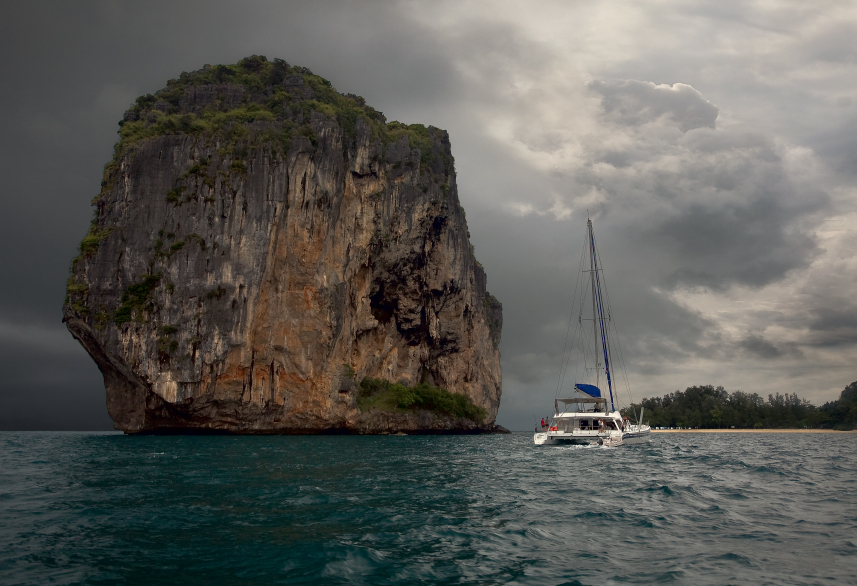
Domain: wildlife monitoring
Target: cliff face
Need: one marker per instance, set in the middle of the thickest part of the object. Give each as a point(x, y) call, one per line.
point(261, 244)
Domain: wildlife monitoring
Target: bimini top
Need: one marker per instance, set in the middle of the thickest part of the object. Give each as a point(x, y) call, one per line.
point(588, 394)
point(590, 390)
point(581, 400)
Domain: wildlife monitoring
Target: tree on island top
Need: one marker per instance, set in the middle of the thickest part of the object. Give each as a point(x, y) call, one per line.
point(709, 407)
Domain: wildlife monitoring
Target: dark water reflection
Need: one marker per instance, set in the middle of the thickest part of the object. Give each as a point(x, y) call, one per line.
point(688, 508)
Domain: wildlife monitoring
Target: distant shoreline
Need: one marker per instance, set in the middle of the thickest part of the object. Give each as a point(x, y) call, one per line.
point(750, 431)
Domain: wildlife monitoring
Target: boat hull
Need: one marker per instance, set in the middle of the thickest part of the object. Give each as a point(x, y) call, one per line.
point(543, 439)
point(628, 438)
point(636, 437)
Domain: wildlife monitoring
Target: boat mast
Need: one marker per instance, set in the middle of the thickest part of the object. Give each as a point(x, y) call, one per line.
point(594, 311)
point(597, 302)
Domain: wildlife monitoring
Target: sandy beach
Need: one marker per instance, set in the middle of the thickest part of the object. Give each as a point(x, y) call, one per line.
point(750, 431)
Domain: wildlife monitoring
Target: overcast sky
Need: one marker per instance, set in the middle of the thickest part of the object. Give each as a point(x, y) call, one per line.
point(714, 145)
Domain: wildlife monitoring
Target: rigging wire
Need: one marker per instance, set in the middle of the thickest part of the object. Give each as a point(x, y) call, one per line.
point(585, 339)
point(584, 342)
point(583, 345)
point(618, 341)
point(604, 330)
point(564, 363)
point(590, 350)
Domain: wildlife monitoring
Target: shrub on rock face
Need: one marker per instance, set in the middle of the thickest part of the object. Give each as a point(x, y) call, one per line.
point(377, 393)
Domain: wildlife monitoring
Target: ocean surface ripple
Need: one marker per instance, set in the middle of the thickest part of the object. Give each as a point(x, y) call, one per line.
point(102, 508)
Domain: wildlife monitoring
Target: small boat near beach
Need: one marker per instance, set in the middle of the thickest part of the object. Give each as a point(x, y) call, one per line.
point(589, 416)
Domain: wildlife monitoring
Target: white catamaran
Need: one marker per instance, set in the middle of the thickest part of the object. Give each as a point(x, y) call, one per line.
point(586, 416)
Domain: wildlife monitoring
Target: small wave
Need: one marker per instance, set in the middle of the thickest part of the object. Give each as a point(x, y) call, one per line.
point(736, 558)
point(759, 468)
point(592, 515)
point(355, 564)
point(644, 522)
point(671, 576)
point(663, 488)
point(733, 495)
point(759, 536)
point(542, 534)
point(768, 470)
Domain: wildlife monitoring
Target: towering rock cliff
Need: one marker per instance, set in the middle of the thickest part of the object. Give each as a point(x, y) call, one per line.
point(261, 244)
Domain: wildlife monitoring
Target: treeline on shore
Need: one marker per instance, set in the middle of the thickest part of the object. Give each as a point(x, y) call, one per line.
point(710, 407)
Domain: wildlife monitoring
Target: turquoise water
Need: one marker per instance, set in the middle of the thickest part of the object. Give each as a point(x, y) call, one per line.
point(688, 508)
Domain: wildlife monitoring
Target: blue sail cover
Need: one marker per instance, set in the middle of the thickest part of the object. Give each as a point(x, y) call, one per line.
point(590, 390)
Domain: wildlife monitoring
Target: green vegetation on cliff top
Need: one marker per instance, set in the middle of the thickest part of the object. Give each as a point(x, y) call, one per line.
point(382, 395)
point(272, 92)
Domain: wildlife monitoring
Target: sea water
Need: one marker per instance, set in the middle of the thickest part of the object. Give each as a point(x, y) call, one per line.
point(101, 508)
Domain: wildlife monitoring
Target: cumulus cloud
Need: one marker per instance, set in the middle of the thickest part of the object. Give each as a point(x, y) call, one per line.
point(635, 103)
point(710, 193)
point(694, 209)
point(709, 212)
point(701, 207)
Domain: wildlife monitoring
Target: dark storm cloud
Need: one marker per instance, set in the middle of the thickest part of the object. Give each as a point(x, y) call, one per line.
point(750, 243)
point(71, 69)
point(47, 382)
point(706, 208)
point(834, 318)
point(686, 195)
point(701, 208)
point(635, 102)
point(655, 333)
point(761, 347)
point(834, 325)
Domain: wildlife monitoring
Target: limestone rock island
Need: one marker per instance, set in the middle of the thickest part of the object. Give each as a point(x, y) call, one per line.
point(271, 256)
